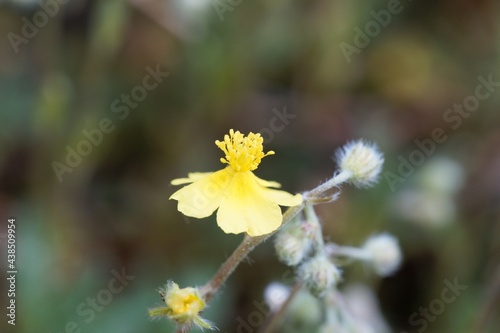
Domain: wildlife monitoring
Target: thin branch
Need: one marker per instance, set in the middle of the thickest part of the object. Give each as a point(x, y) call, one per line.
point(317, 192)
point(278, 315)
point(346, 251)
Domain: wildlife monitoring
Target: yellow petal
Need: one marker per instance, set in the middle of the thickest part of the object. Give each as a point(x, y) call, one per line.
point(201, 198)
point(283, 198)
point(246, 208)
point(192, 177)
point(267, 183)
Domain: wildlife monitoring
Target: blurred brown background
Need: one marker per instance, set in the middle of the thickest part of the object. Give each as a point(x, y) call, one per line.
point(70, 71)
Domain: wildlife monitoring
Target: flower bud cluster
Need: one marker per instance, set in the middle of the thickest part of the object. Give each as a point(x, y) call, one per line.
point(302, 243)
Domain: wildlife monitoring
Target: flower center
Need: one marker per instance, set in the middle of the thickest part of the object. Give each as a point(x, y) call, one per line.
point(243, 153)
point(185, 302)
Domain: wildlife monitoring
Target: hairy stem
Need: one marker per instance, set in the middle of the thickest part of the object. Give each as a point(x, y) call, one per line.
point(346, 251)
point(340, 178)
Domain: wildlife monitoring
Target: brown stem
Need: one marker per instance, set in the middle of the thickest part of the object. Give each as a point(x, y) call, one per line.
point(248, 244)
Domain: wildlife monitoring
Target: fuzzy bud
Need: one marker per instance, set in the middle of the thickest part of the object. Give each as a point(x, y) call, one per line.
point(295, 242)
point(292, 249)
point(319, 274)
point(362, 161)
point(384, 253)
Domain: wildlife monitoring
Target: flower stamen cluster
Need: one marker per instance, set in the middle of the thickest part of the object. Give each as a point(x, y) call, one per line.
point(243, 153)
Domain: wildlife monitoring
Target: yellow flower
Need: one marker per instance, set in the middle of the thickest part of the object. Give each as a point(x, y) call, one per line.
point(183, 303)
point(245, 202)
point(182, 306)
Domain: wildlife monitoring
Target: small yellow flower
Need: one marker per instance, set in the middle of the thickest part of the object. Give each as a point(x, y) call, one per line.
point(182, 306)
point(245, 202)
point(184, 302)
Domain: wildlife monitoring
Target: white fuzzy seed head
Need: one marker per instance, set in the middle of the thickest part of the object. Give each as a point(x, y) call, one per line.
point(362, 160)
point(384, 253)
point(319, 274)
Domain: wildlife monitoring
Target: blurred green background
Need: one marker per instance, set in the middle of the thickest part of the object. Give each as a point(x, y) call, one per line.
point(242, 65)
